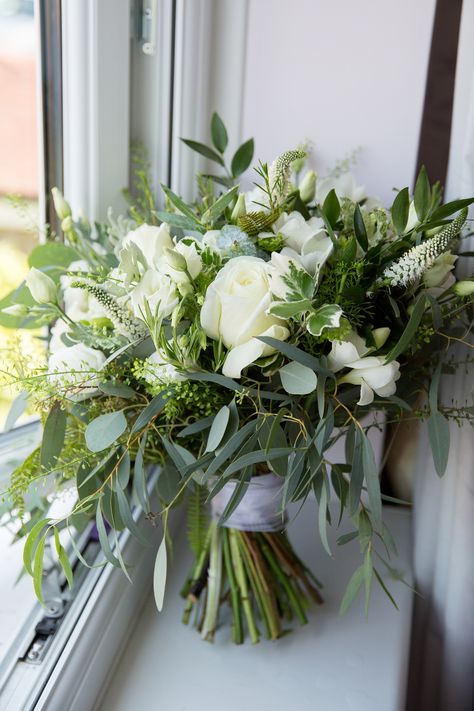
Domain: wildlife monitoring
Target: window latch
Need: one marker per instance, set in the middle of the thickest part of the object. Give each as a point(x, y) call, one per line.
point(146, 25)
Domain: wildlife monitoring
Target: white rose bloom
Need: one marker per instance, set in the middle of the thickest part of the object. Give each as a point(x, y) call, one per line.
point(158, 290)
point(152, 241)
point(344, 185)
point(235, 311)
point(372, 373)
point(157, 368)
point(77, 365)
point(79, 305)
point(306, 240)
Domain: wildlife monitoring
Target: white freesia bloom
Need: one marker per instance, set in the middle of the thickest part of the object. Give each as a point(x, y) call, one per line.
point(156, 289)
point(438, 273)
point(41, 286)
point(235, 311)
point(79, 305)
point(344, 185)
point(372, 373)
point(278, 268)
point(306, 240)
point(152, 241)
point(56, 331)
point(76, 365)
point(158, 369)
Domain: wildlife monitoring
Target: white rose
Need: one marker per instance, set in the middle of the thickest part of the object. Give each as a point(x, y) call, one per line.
point(41, 286)
point(151, 241)
point(77, 365)
point(235, 311)
point(344, 185)
point(156, 289)
point(306, 240)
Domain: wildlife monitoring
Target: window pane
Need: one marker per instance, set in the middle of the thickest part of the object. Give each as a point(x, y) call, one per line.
point(18, 165)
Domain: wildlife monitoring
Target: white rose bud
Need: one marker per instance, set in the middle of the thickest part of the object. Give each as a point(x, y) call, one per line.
point(63, 209)
point(42, 287)
point(16, 310)
point(174, 259)
point(67, 224)
point(239, 208)
point(308, 187)
point(464, 288)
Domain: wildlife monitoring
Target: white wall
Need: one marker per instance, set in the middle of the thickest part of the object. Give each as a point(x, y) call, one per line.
point(340, 73)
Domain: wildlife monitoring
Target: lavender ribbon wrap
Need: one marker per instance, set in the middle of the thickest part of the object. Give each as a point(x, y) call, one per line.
point(259, 510)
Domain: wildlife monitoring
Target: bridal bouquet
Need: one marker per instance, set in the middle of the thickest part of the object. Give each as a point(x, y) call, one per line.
point(232, 342)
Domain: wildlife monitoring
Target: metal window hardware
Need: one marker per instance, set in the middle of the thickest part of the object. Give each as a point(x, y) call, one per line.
point(146, 21)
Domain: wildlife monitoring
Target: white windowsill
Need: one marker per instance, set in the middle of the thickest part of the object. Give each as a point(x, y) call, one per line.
point(334, 663)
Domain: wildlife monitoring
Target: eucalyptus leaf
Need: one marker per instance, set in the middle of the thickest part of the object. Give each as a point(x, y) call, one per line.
point(352, 589)
point(180, 221)
point(105, 430)
point(17, 408)
point(296, 354)
point(104, 537)
point(180, 205)
point(439, 437)
point(322, 517)
point(126, 514)
point(153, 409)
point(298, 379)
point(159, 575)
point(117, 389)
point(54, 434)
point(218, 428)
point(410, 329)
point(220, 205)
point(63, 559)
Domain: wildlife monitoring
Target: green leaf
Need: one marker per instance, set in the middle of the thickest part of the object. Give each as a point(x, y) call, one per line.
point(38, 570)
point(238, 494)
point(352, 589)
point(204, 150)
point(410, 329)
point(359, 229)
point(218, 429)
point(219, 206)
point(126, 514)
point(63, 559)
point(140, 492)
point(104, 538)
point(298, 379)
point(255, 458)
point(242, 158)
point(159, 575)
point(450, 208)
point(122, 476)
point(20, 295)
point(296, 354)
point(439, 437)
point(179, 204)
point(368, 569)
point(434, 387)
point(322, 517)
point(400, 210)
point(230, 447)
point(198, 426)
point(153, 408)
point(287, 309)
point(30, 543)
point(372, 479)
point(179, 221)
point(218, 133)
point(54, 433)
point(331, 208)
point(422, 195)
point(117, 389)
point(18, 407)
point(346, 538)
point(216, 378)
point(52, 254)
point(327, 316)
point(105, 430)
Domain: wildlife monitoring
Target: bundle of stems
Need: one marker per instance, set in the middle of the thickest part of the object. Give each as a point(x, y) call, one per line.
point(258, 574)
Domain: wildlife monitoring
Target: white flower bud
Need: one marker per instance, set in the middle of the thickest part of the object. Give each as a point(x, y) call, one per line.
point(464, 288)
point(16, 310)
point(239, 208)
point(308, 187)
point(42, 287)
point(67, 224)
point(63, 209)
point(380, 336)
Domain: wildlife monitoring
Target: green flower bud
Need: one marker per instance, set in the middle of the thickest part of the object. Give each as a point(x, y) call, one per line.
point(308, 187)
point(380, 336)
point(239, 208)
point(41, 286)
point(175, 260)
point(17, 310)
point(67, 224)
point(63, 209)
point(464, 288)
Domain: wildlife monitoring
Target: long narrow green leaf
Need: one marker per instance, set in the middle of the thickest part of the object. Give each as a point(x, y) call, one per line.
point(54, 434)
point(220, 205)
point(372, 479)
point(63, 559)
point(237, 495)
point(38, 570)
point(30, 542)
point(159, 575)
point(322, 517)
point(126, 514)
point(410, 329)
point(153, 408)
point(296, 354)
point(104, 538)
point(352, 589)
